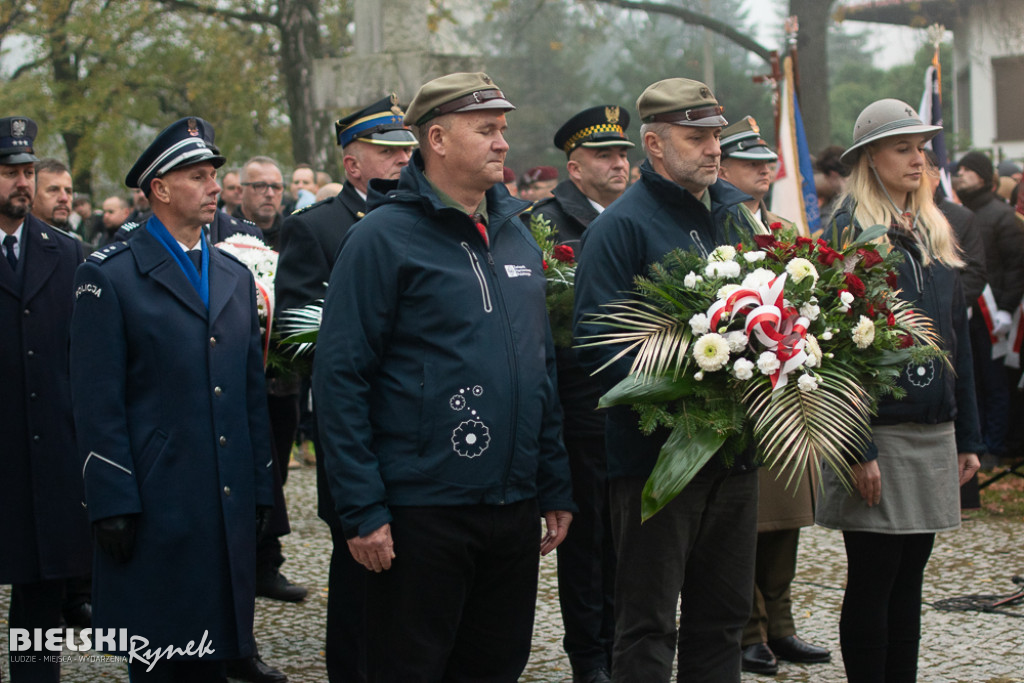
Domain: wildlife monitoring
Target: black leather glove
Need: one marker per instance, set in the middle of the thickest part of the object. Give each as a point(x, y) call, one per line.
point(262, 519)
point(116, 536)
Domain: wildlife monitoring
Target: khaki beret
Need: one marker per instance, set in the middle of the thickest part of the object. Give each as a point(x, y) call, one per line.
point(455, 93)
point(682, 102)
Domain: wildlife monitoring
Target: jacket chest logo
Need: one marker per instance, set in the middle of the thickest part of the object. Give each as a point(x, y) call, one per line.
point(517, 271)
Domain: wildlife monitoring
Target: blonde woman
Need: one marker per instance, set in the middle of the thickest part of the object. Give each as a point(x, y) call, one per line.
point(924, 446)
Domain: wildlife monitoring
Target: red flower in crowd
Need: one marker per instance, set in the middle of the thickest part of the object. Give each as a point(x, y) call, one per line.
point(775, 226)
point(890, 319)
point(871, 310)
point(891, 280)
point(766, 241)
point(869, 257)
point(906, 341)
point(855, 284)
point(544, 263)
point(564, 253)
point(805, 242)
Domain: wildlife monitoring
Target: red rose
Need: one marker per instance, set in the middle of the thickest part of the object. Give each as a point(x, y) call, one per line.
point(765, 241)
point(906, 341)
point(855, 284)
point(869, 257)
point(805, 242)
point(564, 253)
point(891, 279)
point(890, 319)
point(826, 254)
point(775, 226)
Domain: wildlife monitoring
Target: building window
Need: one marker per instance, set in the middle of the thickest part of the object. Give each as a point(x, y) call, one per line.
point(1009, 75)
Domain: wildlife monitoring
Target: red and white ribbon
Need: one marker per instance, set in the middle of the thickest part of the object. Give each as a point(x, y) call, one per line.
point(777, 326)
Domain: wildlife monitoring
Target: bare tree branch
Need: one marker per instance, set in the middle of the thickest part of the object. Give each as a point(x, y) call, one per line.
point(691, 17)
point(222, 13)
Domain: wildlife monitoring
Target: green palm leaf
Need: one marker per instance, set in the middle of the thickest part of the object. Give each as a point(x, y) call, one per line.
point(661, 341)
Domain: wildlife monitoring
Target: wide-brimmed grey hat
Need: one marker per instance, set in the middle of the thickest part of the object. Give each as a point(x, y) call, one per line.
point(884, 119)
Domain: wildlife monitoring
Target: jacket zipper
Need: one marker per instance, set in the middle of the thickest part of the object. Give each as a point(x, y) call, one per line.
point(474, 263)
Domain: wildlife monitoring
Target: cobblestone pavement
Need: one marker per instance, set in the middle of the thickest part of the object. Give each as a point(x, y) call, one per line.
point(957, 647)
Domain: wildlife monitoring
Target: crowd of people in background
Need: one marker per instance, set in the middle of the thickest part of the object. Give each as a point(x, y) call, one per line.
point(455, 442)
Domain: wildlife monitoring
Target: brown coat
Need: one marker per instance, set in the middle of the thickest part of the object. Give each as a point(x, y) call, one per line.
point(784, 507)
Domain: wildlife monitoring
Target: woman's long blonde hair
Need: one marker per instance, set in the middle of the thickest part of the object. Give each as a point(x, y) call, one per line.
point(872, 207)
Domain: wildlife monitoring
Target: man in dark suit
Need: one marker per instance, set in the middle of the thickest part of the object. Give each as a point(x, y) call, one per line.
point(171, 412)
point(44, 538)
point(376, 144)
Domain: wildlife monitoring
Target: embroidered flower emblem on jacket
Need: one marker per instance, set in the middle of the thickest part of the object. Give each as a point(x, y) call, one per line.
point(921, 375)
point(471, 438)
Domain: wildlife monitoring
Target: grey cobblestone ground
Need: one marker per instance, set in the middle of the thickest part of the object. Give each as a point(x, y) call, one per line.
point(957, 647)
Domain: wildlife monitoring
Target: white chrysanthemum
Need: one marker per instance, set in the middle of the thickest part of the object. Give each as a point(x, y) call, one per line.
point(758, 277)
point(726, 269)
point(742, 369)
point(690, 280)
point(725, 291)
point(810, 311)
point(768, 363)
point(700, 324)
point(754, 256)
point(813, 352)
point(737, 341)
point(723, 253)
point(864, 333)
point(800, 268)
point(846, 297)
point(807, 383)
point(711, 352)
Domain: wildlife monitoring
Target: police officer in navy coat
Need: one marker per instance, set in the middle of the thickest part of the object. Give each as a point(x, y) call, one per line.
point(170, 407)
point(376, 144)
point(44, 534)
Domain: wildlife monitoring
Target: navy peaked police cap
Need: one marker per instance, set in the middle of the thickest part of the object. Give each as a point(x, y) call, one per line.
point(379, 124)
point(183, 143)
point(17, 135)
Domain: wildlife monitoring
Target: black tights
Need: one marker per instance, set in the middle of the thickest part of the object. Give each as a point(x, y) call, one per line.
point(880, 627)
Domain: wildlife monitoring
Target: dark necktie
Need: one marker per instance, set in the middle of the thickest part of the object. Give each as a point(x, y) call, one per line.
point(9, 243)
point(197, 259)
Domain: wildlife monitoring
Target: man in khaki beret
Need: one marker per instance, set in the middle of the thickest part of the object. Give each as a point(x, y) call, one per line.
point(698, 551)
point(439, 419)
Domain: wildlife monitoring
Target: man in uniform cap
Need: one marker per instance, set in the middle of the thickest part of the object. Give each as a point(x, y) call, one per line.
point(783, 508)
point(439, 417)
point(44, 538)
point(376, 144)
point(595, 143)
point(698, 551)
point(171, 415)
point(538, 182)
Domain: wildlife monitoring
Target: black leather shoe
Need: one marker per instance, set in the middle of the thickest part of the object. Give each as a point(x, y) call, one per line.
point(254, 670)
point(277, 587)
point(79, 616)
point(599, 675)
point(792, 649)
point(759, 659)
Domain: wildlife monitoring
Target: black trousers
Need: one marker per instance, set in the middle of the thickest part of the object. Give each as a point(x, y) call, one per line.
point(880, 626)
point(284, 421)
point(345, 648)
point(35, 605)
point(696, 554)
point(586, 561)
point(458, 602)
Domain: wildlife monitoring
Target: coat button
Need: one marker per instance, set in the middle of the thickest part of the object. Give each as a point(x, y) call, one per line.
point(213, 342)
point(217, 391)
point(223, 440)
point(227, 490)
point(32, 396)
point(30, 353)
point(36, 438)
point(27, 311)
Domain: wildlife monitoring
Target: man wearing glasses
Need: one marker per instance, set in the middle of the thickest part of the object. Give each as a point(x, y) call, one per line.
point(262, 191)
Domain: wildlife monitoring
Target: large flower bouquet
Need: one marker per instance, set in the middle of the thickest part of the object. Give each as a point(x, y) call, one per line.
point(262, 263)
point(781, 342)
point(559, 263)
